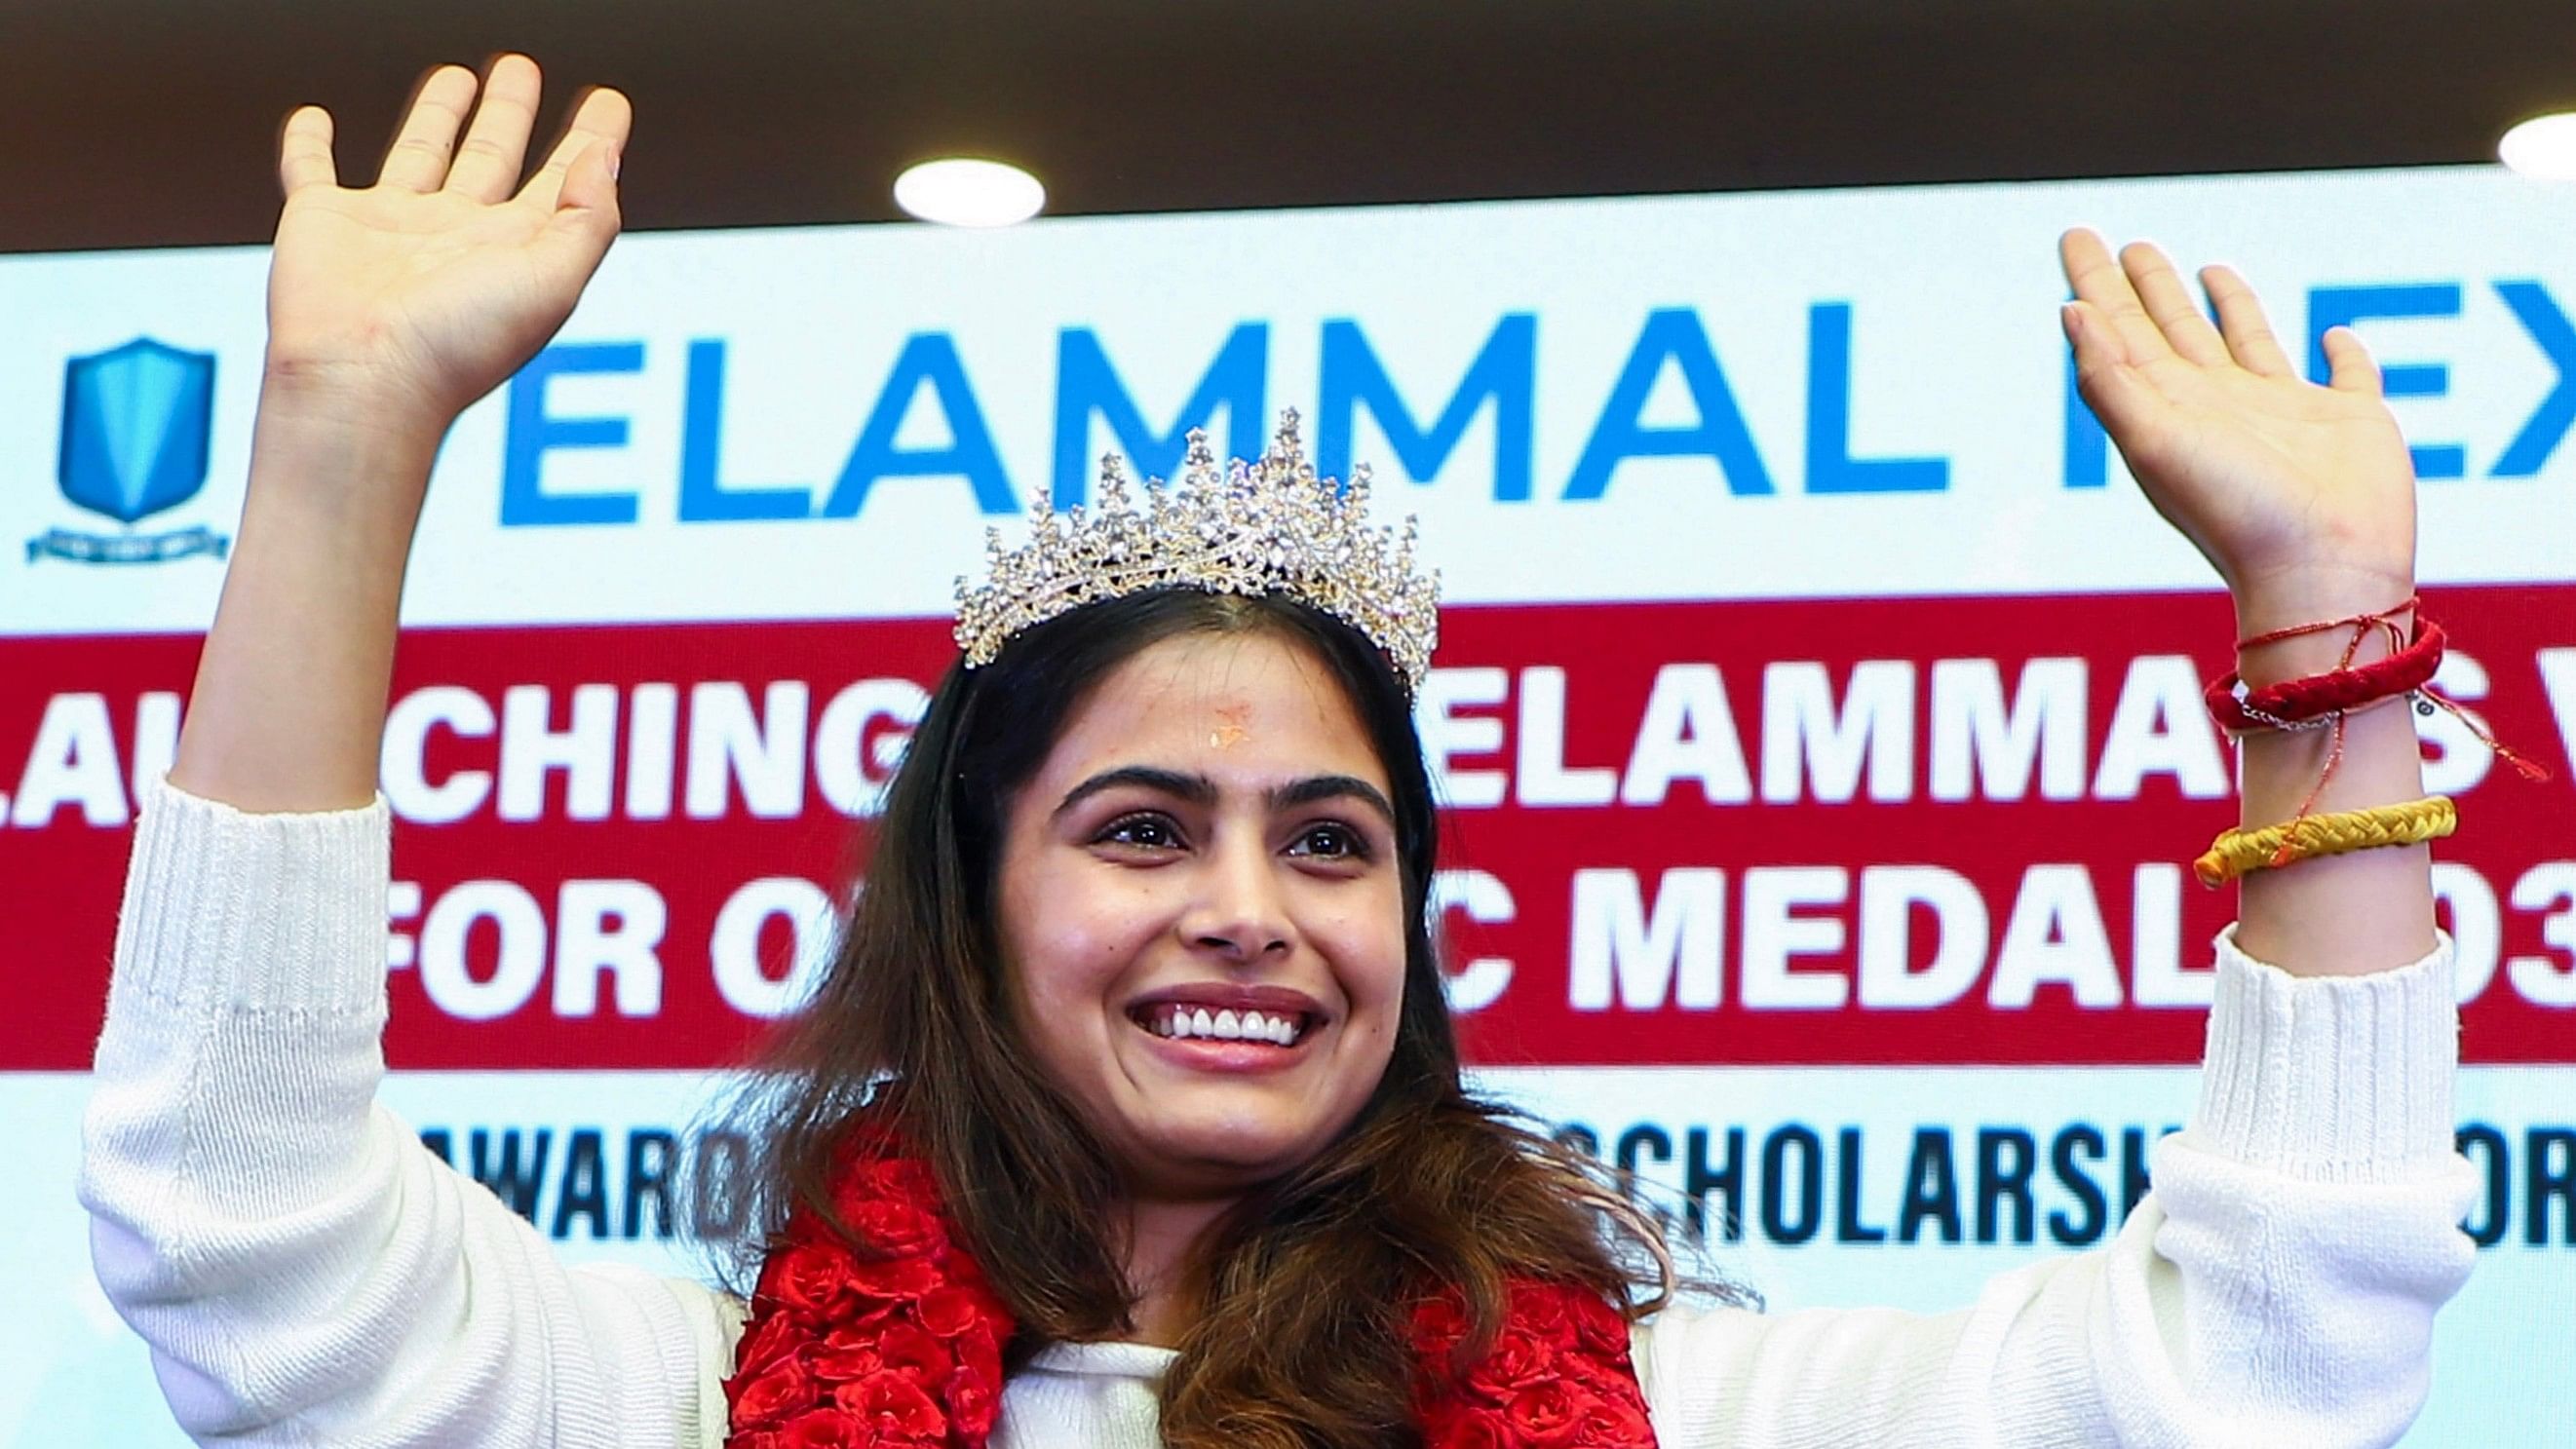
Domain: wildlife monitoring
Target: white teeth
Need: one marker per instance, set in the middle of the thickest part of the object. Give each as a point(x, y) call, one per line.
point(1261, 1026)
point(1185, 1023)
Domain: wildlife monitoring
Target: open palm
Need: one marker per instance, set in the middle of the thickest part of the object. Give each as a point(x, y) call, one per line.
point(430, 287)
point(2274, 478)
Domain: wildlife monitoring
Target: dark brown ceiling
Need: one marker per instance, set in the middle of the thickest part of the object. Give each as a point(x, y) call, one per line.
point(150, 122)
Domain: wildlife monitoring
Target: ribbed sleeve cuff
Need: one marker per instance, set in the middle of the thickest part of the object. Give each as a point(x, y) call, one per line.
point(260, 912)
point(2333, 1078)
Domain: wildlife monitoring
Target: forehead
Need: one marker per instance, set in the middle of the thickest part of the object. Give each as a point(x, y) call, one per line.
point(1249, 705)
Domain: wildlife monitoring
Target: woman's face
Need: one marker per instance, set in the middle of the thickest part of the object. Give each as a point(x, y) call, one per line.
point(1203, 914)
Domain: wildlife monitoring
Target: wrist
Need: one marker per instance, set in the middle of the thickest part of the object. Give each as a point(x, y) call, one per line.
point(346, 469)
point(2289, 601)
point(2289, 598)
point(338, 397)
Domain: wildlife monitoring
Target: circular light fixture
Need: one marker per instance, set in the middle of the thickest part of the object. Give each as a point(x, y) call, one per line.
point(965, 191)
point(2544, 146)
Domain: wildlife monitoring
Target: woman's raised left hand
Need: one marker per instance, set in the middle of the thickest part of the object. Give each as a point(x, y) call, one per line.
point(2301, 495)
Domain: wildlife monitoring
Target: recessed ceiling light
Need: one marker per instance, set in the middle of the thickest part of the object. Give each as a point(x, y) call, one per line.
point(964, 191)
point(2544, 146)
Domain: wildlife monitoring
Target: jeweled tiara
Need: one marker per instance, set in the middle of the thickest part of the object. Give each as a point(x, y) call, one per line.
point(1268, 526)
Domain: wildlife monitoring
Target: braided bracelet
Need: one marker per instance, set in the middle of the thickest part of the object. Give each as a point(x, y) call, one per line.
point(2327, 701)
point(2237, 852)
point(2407, 669)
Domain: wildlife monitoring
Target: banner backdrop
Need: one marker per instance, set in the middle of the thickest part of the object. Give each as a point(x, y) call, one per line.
point(1817, 708)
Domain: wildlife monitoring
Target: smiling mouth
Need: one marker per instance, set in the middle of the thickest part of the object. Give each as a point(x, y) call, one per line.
point(1178, 1022)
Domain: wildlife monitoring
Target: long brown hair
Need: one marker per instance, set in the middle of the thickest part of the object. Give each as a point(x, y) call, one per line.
point(1305, 1288)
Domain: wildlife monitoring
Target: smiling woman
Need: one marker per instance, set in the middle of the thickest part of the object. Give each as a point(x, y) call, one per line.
point(1015, 1197)
point(1215, 880)
point(1153, 829)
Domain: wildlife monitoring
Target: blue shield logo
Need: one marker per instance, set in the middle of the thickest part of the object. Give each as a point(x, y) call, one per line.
point(136, 420)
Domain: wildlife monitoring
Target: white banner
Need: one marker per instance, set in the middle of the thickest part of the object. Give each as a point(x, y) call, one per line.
point(1824, 397)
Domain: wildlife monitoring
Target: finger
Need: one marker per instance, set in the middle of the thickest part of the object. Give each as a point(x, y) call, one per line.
point(304, 151)
point(417, 160)
point(2101, 284)
point(585, 219)
point(2168, 301)
point(496, 145)
point(602, 119)
point(2104, 372)
point(2240, 320)
point(2352, 369)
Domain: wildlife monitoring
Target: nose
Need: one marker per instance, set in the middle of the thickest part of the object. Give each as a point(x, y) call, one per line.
point(1240, 911)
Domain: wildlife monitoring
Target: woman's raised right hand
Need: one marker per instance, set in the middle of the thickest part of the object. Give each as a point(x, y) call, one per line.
point(407, 300)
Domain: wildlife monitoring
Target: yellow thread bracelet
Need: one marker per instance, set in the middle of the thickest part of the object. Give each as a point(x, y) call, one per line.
point(2236, 852)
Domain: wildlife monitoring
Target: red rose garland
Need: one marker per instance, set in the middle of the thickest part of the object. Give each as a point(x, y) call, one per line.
point(841, 1350)
point(1558, 1375)
point(904, 1351)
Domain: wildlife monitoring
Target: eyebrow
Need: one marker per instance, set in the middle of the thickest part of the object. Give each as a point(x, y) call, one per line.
point(1200, 790)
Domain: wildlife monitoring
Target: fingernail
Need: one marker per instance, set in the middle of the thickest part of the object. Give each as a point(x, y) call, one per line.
point(2066, 318)
point(615, 159)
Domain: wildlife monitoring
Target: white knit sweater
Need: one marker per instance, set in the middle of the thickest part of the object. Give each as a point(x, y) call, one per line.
point(307, 1274)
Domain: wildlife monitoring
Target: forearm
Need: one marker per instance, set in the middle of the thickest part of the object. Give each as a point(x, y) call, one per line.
point(2366, 910)
point(288, 709)
point(304, 1271)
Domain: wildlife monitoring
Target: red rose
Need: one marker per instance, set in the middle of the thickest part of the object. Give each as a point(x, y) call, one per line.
point(962, 1269)
point(1546, 1415)
point(871, 1317)
point(892, 1407)
point(905, 1279)
point(1614, 1423)
point(1542, 1309)
point(974, 1402)
point(771, 1339)
point(1457, 1428)
point(823, 1429)
point(910, 1349)
point(980, 1354)
point(894, 1228)
point(903, 1179)
point(1518, 1359)
point(1439, 1323)
point(850, 1351)
point(810, 1279)
point(1600, 1328)
point(771, 1396)
point(950, 1311)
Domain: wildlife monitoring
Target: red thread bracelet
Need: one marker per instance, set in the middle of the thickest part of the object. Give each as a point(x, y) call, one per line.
point(2328, 698)
point(2241, 710)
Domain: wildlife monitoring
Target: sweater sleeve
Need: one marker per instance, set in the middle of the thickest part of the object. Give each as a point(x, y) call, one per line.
point(2277, 1286)
point(305, 1271)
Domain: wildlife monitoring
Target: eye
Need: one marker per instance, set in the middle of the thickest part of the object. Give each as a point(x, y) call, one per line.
point(1332, 840)
point(1144, 830)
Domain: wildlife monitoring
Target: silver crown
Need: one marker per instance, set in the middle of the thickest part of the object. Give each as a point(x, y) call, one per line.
point(1269, 526)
